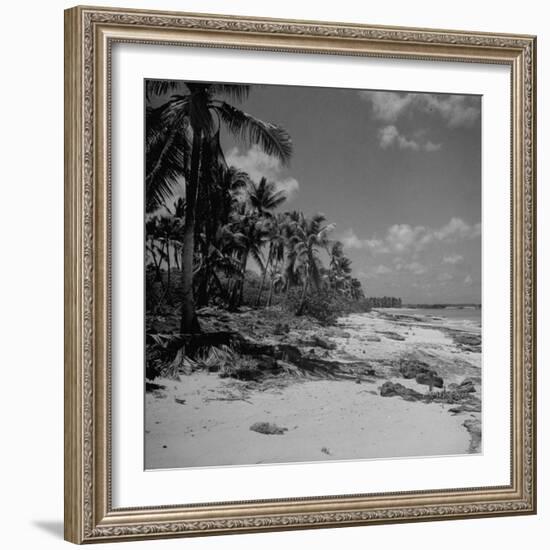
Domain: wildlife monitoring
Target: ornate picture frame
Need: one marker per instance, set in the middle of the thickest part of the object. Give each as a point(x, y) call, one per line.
point(90, 34)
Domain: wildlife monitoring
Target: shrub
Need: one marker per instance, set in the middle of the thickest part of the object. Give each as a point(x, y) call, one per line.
point(325, 305)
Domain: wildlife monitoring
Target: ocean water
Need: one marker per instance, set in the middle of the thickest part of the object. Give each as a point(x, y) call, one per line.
point(466, 317)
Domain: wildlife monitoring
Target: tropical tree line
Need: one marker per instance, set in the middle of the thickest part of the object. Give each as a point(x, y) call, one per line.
point(290, 251)
point(384, 301)
point(222, 220)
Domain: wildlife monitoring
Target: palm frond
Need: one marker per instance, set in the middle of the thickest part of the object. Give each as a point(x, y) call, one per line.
point(168, 145)
point(238, 92)
point(164, 173)
point(161, 87)
point(273, 139)
point(257, 257)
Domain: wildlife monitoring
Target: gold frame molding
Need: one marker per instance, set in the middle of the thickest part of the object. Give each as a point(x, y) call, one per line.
point(89, 35)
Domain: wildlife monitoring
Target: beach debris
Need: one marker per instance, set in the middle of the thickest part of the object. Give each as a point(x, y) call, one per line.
point(463, 402)
point(209, 311)
point(421, 372)
point(326, 450)
point(466, 341)
point(391, 389)
point(410, 368)
point(179, 401)
point(391, 335)
point(468, 407)
point(159, 394)
point(429, 378)
point(318, 342)
point(281, 328)
point(466, 386)
point(151, 387)
point(323, 343)
point(267, 428)
point(335, 332)
point(247, 373)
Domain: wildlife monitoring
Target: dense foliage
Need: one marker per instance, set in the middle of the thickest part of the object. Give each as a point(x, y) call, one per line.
point(223, 241)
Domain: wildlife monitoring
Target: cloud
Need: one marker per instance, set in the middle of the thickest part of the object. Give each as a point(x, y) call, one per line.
point(350, 240)
point(416, 268)
point(454, 110)
point(458, 229)
point(404, 238)
point(258, 164)
point(453, 259)
point(389, 136)
point(387, 106)
point(431, 147)
point(381, 270)
point(400, 237)
point(445, 277)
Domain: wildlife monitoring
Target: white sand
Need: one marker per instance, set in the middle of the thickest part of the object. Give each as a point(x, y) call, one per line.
point(342, 417)
point(326, 420)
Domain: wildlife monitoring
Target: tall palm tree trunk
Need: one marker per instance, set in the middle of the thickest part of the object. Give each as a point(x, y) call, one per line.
point(263, 278)
point(202, 289)
point(189, 322)
point(272, 282)
point(204, 281)
point(168, 267)
point(311, 261)
point(156, 262)
point(303, 297)
point(304, 292)
point(176, 256)
point(243, 275)
point(270, 296)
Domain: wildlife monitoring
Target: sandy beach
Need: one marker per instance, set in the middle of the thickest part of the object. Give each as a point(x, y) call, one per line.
point(390, 383)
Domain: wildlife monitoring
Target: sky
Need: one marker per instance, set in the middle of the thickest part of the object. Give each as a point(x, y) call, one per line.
point(398, 173)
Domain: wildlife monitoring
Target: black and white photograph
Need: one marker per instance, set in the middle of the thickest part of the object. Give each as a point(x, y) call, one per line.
point(313, 277)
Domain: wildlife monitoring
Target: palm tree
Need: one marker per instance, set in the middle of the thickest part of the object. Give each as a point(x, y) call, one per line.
point(358, 294)
point(223, 258)
point(310, 235)
point(250, 234)
point(169, 229)
point(229, 183)
point(293, 219)
point(203, 112)
point(264, 197)
point(220, 187)
point(340, 269)
point(277, 278)
point(276, 228)
point(151, 236)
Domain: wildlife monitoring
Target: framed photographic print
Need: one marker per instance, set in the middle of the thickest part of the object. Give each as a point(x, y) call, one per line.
point(300, 274)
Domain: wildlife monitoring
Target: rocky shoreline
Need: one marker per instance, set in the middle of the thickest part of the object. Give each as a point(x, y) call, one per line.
point(399, 357)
